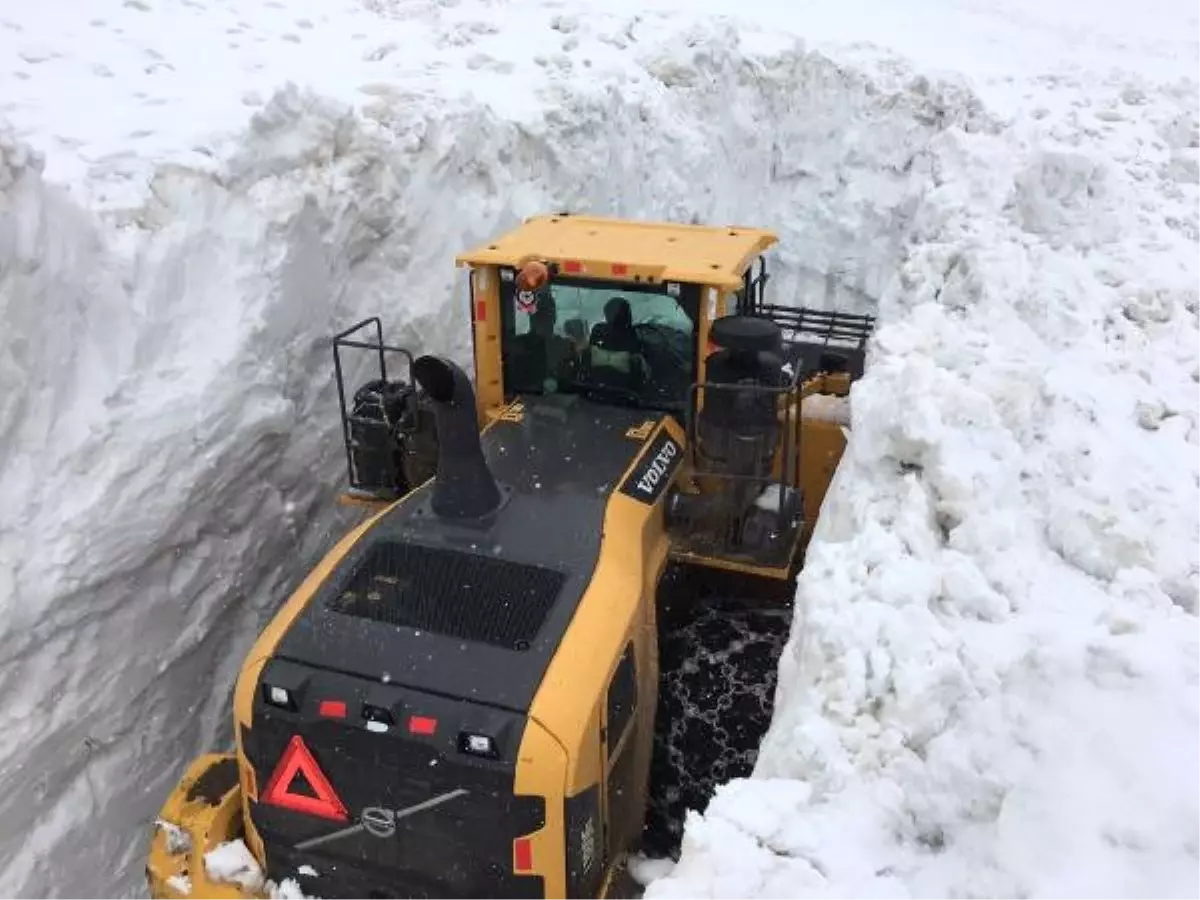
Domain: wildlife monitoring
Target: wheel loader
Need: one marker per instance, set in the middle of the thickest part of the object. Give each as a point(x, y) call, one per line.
point(462, 699)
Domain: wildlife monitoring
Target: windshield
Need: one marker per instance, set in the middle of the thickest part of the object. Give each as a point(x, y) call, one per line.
point(613, 341)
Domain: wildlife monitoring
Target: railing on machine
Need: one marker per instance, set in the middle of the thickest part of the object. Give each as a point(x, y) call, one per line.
point(737, 467)
point(819, 340)
point(367, 422)
point(814, 343)
point(814, 339)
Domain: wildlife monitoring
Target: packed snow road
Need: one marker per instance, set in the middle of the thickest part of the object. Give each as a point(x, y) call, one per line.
point(991, 685)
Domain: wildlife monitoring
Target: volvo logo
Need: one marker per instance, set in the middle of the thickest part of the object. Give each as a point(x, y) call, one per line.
point(658, 468)
point(379, 821)
point(654, 470)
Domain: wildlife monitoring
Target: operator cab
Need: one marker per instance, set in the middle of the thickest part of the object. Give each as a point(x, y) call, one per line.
point(626, 343)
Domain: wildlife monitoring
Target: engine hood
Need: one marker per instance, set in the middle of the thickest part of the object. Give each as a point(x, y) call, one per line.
point(475, 609)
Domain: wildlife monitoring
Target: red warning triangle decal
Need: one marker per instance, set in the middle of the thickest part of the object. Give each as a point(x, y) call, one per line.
point(297, 759)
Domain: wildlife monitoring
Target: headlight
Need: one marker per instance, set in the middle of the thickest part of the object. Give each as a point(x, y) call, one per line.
point(278, 696)
point(477, 745)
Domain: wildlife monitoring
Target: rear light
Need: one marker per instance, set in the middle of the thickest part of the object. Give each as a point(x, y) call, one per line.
point(572, 266)
point(523, 855)
point(280, 697)
point(423, 725)
point(332, 709)
point(477, 745)
point(620, 269)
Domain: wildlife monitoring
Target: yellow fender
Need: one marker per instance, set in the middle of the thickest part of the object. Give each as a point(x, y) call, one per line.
point(202, 812)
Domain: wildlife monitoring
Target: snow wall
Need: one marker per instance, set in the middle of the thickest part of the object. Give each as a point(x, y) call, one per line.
point(995, 664)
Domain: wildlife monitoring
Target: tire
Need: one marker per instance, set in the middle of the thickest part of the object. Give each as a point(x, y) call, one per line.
point(718, 671)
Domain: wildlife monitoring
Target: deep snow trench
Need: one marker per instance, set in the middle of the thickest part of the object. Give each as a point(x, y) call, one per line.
point(994, 668)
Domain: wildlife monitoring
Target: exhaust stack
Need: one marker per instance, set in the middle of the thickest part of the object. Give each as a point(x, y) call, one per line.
point(464, 487)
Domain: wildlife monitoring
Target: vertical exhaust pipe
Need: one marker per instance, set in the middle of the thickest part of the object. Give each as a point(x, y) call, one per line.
point(464, 487)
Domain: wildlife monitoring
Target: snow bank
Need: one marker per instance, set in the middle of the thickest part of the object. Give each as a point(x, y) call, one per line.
point(992, 691)
point(169, 475)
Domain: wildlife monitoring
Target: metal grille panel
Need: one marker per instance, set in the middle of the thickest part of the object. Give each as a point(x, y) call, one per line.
point(446, 592)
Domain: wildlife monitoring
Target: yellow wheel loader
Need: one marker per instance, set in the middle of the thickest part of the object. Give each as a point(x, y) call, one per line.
point(463, 698)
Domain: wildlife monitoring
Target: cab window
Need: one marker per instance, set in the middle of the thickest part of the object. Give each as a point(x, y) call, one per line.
point(613, 341)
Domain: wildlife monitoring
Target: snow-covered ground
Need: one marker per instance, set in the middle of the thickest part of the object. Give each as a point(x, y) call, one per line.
point(992, 687)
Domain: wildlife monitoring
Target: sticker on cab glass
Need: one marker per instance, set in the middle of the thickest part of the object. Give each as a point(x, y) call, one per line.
point(654, 469)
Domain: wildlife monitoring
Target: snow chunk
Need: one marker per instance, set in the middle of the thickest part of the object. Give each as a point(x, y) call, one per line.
point(233, 863)
point(178, 840)
point(288, 889)
point(826, 408)
point(644, 869)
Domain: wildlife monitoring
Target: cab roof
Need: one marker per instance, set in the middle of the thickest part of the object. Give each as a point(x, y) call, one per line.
point(597, 247)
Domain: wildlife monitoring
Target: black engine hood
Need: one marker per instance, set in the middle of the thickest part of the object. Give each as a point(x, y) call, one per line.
point(475, 610)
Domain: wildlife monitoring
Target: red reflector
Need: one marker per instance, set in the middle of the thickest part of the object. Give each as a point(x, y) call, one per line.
point(523, 854)
point(620, 269)
point(422, 725)
point(480, 310)
point(573, 266)
point(332, 709)
point(296, 759)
